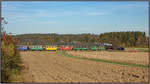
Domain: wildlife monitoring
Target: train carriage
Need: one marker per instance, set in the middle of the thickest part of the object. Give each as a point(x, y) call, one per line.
point(51, 48)
point(80, 47)
point(76, 49)
point(84, 48)
point(66, 48)
point(94, 48)
point(37, 48)
point(22, 47)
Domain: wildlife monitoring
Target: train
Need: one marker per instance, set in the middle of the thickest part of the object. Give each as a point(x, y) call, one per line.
point(66, 47)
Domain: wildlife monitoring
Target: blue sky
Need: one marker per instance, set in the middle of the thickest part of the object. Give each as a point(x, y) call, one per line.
point(75, 17)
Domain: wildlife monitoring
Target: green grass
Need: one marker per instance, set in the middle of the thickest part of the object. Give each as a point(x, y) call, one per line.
point(143, 50)
point(63, 53)
point(139, 49)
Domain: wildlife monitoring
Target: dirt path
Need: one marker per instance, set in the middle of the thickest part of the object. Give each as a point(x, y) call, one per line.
point(46, 66)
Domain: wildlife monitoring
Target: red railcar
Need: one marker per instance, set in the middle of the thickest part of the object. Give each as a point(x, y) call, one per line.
point(66, 48)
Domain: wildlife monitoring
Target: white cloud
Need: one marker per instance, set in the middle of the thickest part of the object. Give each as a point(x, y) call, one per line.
point(133, 5)
point(49, 22)
point(42, 13)
point(97, 13)
point(47, 13)
point(11, 6)
point(8, 7)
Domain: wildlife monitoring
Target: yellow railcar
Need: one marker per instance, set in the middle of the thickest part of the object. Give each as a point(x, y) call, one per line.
point(53, 48)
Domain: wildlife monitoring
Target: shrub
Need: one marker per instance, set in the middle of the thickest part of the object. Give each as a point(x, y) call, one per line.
point(10, 58)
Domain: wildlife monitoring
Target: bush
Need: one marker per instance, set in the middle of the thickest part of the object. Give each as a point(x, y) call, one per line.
point(10, 58)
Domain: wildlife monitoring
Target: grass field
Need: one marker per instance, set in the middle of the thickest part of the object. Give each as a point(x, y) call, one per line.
point(137, 49)
point(132, 58)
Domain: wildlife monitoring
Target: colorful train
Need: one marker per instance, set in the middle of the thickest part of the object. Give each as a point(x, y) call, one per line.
point(55, 48)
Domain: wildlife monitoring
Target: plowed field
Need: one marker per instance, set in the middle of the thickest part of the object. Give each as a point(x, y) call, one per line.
point(46, 66)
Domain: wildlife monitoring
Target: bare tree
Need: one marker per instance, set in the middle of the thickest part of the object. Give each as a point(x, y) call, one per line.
point(3, 22)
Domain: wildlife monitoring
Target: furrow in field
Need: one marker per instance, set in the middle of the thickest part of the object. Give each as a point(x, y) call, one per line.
point(46, 66)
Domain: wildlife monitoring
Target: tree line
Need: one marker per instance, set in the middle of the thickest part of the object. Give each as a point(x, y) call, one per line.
point(125, 39)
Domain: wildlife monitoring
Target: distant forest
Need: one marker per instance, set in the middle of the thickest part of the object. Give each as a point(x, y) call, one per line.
point(125, 39)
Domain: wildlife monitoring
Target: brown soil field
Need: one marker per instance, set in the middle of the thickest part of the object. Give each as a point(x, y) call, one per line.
point(47, 66)
point(127, 57)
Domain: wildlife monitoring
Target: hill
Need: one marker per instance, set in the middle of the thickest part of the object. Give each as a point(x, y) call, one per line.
point(125, 39)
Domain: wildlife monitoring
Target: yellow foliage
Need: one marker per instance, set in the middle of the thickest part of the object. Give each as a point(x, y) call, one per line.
point(9, 49)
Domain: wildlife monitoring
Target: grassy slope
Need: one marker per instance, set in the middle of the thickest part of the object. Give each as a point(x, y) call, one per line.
point(138, 49)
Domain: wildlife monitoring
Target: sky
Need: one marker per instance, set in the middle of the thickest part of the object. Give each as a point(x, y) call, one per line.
point(76, 17)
